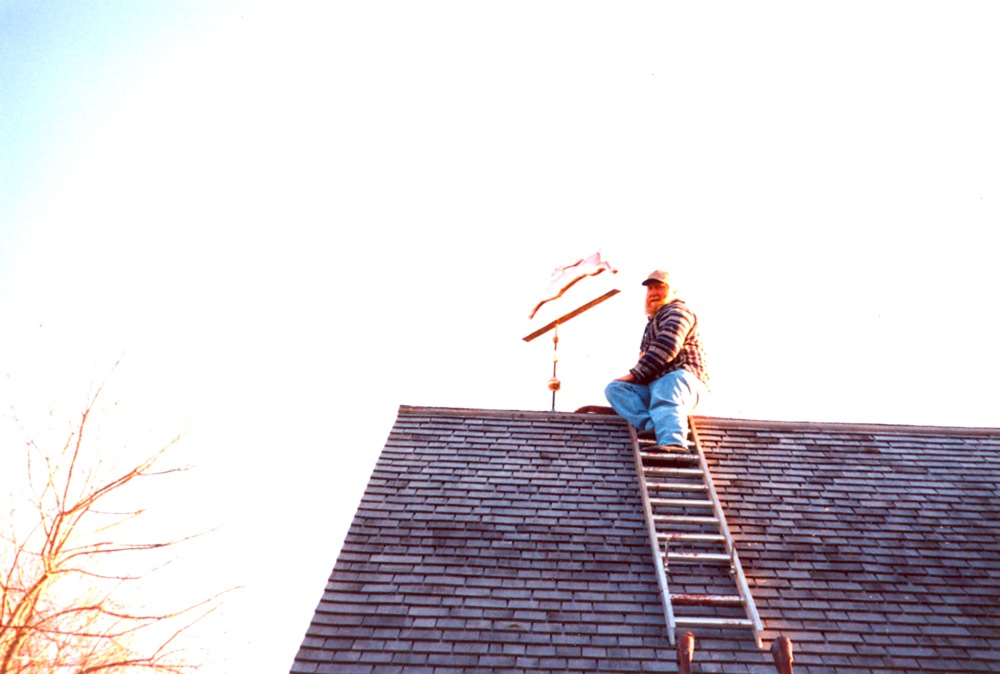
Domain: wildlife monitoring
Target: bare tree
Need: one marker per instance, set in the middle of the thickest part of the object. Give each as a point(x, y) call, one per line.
point(67, 571)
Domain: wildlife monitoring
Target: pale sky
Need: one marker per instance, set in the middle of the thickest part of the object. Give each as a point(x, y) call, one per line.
point(291, 218)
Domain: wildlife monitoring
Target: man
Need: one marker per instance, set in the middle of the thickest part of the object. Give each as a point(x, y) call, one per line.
point(665, 385)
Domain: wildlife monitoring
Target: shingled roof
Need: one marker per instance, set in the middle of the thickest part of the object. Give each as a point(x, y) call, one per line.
point(492, 541)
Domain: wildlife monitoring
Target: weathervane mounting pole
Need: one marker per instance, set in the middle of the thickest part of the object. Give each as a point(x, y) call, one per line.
point(554, 383)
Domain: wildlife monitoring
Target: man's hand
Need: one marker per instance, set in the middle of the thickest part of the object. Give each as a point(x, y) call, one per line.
point(629, 378)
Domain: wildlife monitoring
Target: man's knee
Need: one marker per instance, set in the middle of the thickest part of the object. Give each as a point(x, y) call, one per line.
point(615, 389)
point(625, 396)
point(609, 391)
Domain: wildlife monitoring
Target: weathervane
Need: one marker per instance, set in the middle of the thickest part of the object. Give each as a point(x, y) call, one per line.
point(561, 281)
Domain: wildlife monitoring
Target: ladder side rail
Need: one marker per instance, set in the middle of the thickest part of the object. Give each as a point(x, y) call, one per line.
point(661, 572)
point(741, 581)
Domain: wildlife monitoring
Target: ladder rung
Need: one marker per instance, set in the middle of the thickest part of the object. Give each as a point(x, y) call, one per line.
point(696, 557)
point(652, 442)
point(706, 599)
point(706, 538)
point(698, 621)
point(675, 486)
point(689, 442)
point(657, 450)
point(674, 456)
point(673, 472)
point(682, 502)
point(684, 519)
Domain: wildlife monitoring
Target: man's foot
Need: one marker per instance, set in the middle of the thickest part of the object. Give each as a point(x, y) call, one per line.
point(646, 435)
point(671, 448)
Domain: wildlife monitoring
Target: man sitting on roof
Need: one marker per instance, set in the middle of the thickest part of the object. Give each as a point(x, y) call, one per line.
point(664, 386)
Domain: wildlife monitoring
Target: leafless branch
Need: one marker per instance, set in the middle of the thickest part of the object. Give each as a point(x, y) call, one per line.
point(58, 606)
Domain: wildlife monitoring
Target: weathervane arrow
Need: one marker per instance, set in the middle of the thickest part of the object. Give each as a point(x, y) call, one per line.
point(565, 277)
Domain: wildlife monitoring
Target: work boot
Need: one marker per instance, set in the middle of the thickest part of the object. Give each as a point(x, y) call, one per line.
point(671, 448)
point(648, 434)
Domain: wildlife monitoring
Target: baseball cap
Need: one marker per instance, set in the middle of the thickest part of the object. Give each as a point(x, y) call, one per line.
point(658, 276)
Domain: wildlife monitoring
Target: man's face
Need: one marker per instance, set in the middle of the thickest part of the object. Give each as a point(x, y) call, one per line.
point(656, 297)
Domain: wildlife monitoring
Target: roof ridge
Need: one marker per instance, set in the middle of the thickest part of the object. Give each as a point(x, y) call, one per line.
point(728, 422)
point(415, 410)
point(846, 426)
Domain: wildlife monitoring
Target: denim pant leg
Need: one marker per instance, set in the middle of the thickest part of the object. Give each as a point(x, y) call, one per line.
point(672, 398)
point(631, 402)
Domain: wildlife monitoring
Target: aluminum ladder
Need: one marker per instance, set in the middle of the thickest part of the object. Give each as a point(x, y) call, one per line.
point(702, 585)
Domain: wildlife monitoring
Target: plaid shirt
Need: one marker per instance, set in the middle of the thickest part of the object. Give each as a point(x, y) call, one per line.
point(671, 342)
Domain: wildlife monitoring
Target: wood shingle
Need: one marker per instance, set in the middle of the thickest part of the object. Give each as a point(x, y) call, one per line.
point(503, 541)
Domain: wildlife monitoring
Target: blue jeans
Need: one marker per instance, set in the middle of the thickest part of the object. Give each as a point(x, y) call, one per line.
point(663, 405)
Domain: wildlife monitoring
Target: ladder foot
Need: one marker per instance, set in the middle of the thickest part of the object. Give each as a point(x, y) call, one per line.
point(685, 652)
point(781, 650)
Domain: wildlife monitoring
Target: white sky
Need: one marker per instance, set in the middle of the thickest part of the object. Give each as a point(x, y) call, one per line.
point(292, 218)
